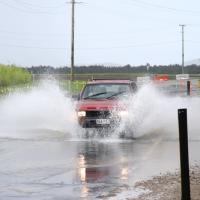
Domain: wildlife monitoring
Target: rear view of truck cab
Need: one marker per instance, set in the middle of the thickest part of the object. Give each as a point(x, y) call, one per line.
point(99, 104)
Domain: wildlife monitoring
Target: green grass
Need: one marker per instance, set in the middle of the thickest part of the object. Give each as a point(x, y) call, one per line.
point(21, 87)
point(11, 75)
point(105, 75)
point(74, 87)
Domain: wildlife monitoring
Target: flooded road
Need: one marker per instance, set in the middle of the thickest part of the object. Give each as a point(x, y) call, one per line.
point(65, 169)
point(43, 157)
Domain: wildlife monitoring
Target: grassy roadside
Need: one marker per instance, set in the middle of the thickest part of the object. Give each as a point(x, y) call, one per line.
point(73, 87)
point(105, 75)
point(12, 77)
point(14, 88)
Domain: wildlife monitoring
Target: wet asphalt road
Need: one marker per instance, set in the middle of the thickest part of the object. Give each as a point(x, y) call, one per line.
point(48, 165)
point(62, 168)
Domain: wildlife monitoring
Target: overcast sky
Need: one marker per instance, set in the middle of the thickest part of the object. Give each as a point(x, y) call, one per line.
point(37, 32)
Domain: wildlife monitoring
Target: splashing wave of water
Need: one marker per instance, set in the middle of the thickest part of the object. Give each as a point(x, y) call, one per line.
point(46, 107)
point(43, 108)
point(150, 111)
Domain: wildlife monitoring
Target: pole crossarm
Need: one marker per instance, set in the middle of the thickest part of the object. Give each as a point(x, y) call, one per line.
point(76, 2)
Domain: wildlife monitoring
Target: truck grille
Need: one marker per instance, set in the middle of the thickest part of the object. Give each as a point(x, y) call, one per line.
point(97, 113)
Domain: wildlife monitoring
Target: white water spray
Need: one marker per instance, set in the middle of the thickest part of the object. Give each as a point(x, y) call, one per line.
point(44, 108)
point(151, 111)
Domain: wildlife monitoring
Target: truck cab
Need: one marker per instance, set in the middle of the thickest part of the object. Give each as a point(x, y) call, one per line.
point(100, 104)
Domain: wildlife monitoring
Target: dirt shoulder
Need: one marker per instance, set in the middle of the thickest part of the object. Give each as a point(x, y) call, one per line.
point(168, 186)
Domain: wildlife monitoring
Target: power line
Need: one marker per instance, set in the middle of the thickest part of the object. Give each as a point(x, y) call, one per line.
point(32, 47)
point(192, 41)
point(132, 46)
point(31, 34)
point(30, 39)
point(39, 6)
point(29, 11)
point(92, 48)
point(165, 7)
point(114, 34)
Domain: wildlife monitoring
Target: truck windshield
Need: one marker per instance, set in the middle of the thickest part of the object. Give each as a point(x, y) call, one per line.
point(101, 91)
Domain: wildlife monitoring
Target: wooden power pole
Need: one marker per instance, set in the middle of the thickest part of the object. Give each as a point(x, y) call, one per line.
point(183, 53)
point(72, 40)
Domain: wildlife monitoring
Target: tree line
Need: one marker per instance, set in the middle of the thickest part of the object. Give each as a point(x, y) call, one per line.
point(155, 69)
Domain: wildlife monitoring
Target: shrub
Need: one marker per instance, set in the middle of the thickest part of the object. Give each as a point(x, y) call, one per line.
point(12, 75)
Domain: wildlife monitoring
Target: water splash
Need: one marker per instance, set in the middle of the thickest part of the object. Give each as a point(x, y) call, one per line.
point(151, 111)
point(43, 108)
point(47, 110)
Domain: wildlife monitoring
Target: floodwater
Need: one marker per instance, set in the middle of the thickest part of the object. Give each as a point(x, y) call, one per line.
point(44, 156)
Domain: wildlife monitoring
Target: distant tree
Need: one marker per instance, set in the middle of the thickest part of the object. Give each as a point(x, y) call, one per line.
point(156, 69)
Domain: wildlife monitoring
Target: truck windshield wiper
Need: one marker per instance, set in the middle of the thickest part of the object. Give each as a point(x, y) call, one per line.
point(116, 94)
point(94, 95)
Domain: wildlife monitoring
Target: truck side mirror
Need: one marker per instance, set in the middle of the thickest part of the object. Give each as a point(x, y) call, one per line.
point(76, 97)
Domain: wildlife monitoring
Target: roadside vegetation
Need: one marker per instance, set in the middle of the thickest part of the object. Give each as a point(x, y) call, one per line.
point(72, 87)
point(11, 76)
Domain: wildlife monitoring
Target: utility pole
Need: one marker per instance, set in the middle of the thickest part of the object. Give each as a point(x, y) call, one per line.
point(72, 40)
point(72, 2)
point(182, 26)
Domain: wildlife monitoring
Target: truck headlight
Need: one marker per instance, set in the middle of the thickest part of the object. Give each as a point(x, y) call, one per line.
point(81, 113)
point(123, 113)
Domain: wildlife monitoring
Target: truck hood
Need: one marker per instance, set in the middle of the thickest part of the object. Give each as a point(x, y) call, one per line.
point(102, 104)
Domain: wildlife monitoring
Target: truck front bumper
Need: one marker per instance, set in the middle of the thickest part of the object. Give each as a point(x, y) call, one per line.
point(91, 122)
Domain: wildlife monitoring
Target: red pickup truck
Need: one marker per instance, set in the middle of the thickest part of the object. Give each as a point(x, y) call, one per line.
point(99, 103)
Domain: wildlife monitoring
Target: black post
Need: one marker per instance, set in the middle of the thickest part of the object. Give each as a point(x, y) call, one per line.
point(188, 88)
point(184, 159)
